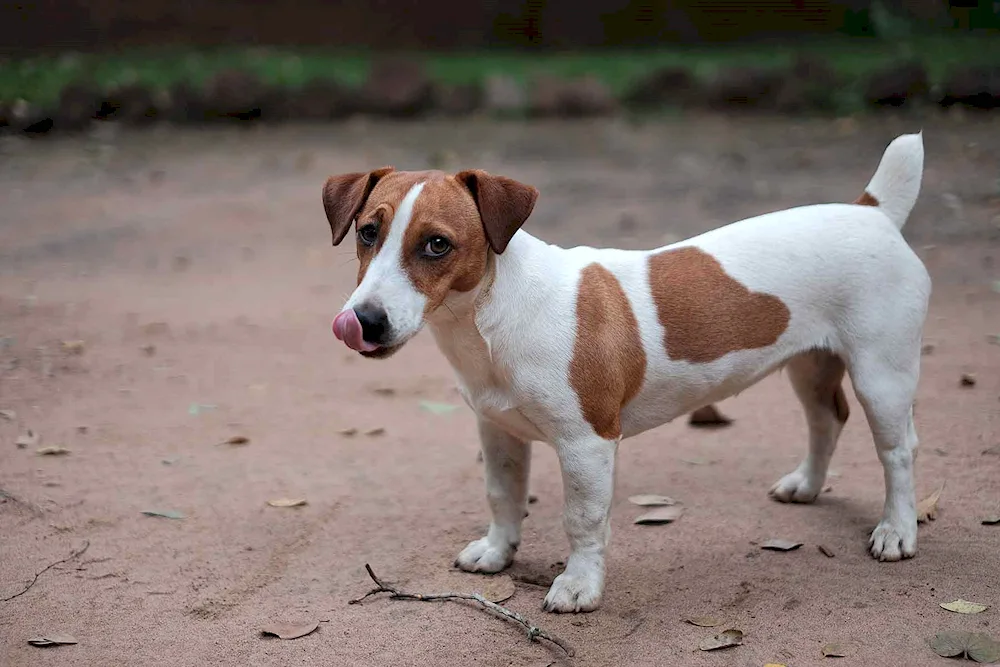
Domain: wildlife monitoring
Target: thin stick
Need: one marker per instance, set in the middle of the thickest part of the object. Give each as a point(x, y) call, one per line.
point(534, 632)
point(79, 552)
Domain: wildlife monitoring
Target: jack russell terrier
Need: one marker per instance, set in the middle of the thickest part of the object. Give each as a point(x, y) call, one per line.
point(582, 347)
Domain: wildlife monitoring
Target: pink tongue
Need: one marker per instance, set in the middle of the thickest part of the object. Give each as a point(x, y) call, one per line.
point(347, 328)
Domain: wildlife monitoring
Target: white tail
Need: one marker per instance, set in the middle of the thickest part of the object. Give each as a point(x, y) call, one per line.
point(896, 183)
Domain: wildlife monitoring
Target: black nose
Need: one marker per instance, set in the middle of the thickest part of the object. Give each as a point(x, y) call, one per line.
point(374, 324)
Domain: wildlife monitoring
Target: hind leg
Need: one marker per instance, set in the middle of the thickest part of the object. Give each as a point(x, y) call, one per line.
point(816, 377)
point(886, 390)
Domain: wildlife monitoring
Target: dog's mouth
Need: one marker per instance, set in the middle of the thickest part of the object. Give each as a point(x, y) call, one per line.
point(381, 352)
point(387, 350)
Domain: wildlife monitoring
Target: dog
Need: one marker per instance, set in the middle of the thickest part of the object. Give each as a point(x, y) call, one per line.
point(582, 347)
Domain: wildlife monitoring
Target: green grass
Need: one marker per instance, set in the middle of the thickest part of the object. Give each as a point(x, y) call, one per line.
point(40, 79)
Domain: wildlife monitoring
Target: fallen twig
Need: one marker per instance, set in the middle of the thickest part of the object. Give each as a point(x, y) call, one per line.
point(75, 554)
point(534, 632)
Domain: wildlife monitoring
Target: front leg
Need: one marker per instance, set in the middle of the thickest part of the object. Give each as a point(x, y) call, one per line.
point(588, 469)
point(507, 461)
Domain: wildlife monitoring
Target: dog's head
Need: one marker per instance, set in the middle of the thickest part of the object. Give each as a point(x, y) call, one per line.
point(421, 237)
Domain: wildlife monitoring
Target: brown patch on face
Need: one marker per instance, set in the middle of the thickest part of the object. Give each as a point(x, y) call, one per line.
point(609, 362)
point(345, 195)
point(707, 313)
point(866, 199)
point(380, 208)
point(445, 209)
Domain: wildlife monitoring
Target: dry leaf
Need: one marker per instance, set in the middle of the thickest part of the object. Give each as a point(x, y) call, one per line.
point(196, 409)
point(52, 451)
point(155, 328)
point(978, 647)
point(927, 508)
point(375, 431)
point(708, 417)
point(774, 664)
point(52, 640)
point(290, 631)
point(834, 651)
point(661, 515)
point(724, 639)
point(961, 606)
point(927, 349)
point(703, 621)
point(992, 451)
point(991, 521)
point(697, 462)
point(9, 415)
point(287, 502)
point(236, 440)
point(950, 644)
point(27, 439)
point(166, 514)
point(825, 550)
point(780, 545)
point(438, 408)
point(348, 431)
point(983, 648)
point(73, 346)
point(968, 380)
point(498, 589)
point(384, 391)
point(651, 500)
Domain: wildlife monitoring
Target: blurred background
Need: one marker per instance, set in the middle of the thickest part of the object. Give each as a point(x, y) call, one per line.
point(167, 285)
point(67, 61)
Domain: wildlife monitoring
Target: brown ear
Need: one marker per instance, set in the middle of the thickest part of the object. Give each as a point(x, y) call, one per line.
point(344, 196)
point(503, 203)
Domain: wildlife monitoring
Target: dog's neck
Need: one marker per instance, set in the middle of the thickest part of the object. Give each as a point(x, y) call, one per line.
point(472, 327)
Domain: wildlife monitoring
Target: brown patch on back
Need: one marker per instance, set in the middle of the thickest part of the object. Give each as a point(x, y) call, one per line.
point(866, 199)
point(706, 312)
point(445, 208)
point(609, 362)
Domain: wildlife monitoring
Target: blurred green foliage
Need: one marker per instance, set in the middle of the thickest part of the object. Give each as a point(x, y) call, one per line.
point(40, 79)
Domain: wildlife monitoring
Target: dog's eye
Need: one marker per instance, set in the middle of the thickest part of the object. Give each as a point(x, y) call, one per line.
point(438, 246)
point(368, 234)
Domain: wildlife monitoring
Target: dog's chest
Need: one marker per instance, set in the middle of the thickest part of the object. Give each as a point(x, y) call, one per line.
point(498, 406)
point(485, 386)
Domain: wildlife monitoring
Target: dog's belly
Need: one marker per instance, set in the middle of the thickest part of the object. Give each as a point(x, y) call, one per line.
point(671, 394)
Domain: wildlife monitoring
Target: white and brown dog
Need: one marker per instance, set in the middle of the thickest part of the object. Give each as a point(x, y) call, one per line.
point(582, 347)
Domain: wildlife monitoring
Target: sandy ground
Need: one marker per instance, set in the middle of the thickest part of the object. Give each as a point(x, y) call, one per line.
point(195, 268)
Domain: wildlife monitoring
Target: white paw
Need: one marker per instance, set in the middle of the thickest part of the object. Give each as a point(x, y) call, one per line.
point(483, 556)
point(893, 540)
point(796, 487)
point(580, 591)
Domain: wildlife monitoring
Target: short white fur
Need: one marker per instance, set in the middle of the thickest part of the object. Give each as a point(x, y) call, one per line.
point(386, 283)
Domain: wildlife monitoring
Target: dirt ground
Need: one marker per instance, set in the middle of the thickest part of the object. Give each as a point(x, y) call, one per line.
point(195, 267)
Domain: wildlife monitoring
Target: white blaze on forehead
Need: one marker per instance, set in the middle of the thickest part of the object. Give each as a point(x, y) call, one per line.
point(386, 284)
